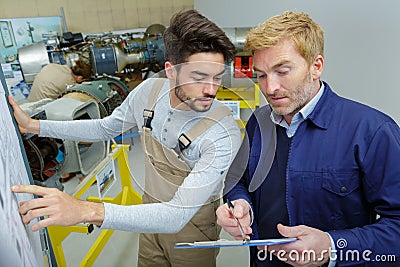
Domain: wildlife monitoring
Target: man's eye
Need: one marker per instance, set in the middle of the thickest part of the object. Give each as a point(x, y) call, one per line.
point(217, 78)
point(261, 76)
point(282, 72)
point(197, 79)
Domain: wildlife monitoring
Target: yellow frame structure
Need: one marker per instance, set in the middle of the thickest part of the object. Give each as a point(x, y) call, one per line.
point(127, 196)
point(249, 99)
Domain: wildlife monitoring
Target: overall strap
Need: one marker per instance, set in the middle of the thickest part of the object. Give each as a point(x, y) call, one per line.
point(148, 112)
point(185, 139)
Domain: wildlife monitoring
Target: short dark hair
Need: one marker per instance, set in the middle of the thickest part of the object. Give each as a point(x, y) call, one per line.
point(190, 33)
point(81, 68)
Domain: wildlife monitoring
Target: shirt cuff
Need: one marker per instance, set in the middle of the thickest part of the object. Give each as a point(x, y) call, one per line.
point(332, 262)
point(108, 216)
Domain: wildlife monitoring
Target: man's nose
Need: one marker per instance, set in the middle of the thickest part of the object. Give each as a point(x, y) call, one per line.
point(210, 88)
point(270, 86)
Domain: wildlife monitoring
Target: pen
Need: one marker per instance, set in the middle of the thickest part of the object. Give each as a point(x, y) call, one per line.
point(231, 207)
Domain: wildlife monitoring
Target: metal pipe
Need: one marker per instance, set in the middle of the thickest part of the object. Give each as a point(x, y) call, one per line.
point(64, 22)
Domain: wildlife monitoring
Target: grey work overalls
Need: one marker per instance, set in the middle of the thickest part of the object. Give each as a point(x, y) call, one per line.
point(165, 172)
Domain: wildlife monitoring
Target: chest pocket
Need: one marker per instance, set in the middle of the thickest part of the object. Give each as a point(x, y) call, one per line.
point(340, 183)
point(332, 199)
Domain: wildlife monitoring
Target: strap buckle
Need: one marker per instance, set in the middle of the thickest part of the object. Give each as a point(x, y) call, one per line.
point(148, 117)
point(184, 141)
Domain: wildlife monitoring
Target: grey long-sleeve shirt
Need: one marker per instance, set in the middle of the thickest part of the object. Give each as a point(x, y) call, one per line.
point(209, 157)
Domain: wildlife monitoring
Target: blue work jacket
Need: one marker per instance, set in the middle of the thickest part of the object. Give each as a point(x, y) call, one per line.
point(343, 170)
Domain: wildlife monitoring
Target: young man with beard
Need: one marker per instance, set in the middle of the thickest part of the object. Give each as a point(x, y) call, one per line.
point(321, 168)
point(189, 140)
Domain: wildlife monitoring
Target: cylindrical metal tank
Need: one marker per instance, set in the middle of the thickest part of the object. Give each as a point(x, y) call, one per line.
point(110, 59)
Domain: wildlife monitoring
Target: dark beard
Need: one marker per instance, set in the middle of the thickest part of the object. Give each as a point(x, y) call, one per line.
point(191, 102)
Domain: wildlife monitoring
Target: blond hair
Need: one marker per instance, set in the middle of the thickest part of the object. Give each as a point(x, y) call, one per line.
point(307, 35)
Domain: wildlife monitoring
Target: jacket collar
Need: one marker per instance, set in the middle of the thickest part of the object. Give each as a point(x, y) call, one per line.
point(322, 114)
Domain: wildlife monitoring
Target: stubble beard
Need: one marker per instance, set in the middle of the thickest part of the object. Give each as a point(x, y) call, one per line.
point(192, 103)
point(300, 95)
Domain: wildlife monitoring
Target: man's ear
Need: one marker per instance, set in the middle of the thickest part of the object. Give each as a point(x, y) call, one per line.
point(317, 67)
point(170, 70)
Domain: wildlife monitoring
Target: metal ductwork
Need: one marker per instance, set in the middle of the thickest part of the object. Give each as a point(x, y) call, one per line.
point(108, 92)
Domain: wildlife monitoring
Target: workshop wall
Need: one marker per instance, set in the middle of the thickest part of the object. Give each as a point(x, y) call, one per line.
point(98, 15)
point(362, 40)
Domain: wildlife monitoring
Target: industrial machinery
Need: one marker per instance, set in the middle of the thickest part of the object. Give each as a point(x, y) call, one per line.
point(49, 158)
point(121, 54)
point(107, 53)
point(242, 64)
point(107, 91)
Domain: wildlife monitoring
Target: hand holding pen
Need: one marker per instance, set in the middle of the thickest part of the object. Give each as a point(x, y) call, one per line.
point(235, 219)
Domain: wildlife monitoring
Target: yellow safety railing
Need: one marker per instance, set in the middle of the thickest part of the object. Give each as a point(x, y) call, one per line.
point(127, 196)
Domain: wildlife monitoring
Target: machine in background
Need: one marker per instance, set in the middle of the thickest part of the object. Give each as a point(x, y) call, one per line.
point(110, 54)
point(115, 59)
point(49, 158)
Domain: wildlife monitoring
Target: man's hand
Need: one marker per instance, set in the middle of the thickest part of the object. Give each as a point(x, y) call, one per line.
point(25, 123)
point(228, 222)
point(58, 207)
point(311, 249)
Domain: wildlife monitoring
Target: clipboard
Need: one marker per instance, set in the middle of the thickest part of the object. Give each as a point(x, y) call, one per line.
point(233, 243)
